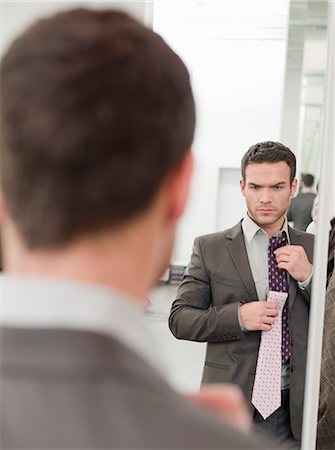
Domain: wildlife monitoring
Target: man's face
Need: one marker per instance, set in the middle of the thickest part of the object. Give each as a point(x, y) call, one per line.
point(267, 191)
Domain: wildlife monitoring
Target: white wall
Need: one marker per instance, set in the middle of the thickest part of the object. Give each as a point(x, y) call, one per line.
point(235, 51)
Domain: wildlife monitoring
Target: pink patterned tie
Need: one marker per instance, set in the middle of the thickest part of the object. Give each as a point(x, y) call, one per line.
point(266, 394)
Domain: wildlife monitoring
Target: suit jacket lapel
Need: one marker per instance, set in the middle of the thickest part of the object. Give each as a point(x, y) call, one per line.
point(239, 256)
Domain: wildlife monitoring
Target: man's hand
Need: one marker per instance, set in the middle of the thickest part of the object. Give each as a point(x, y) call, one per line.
point(227, 402)
point(258, 315)
point(293, 258)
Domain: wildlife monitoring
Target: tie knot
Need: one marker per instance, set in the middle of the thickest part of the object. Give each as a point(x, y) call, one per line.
point(277, 241)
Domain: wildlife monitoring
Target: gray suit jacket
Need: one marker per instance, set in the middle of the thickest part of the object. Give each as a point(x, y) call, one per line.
point(216, 281)
point(300, 210)
point(65, 389)
point(326, 423)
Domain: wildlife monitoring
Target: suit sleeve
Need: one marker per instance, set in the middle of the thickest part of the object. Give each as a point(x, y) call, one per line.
point(193, 316)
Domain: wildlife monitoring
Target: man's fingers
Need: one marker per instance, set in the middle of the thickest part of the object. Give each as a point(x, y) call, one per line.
point(258, 315)
point(284, 265)
point(270, 305)
point(227, 401)
point(288, 249)
point(271, 312)
point(269, 320)
point(284, 257)
point(271, 309)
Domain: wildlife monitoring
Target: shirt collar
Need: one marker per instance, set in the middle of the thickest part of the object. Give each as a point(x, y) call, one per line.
point(307, 190)
point(250, 229)
point(33, 302)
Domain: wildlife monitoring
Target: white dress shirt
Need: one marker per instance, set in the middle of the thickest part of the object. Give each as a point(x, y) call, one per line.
point(34, 302)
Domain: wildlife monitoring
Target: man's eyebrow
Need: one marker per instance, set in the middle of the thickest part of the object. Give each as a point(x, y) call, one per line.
point(254, 184)
point(281, 183)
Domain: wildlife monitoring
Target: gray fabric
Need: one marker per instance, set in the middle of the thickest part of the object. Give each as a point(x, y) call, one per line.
point(326, 422)
point(59, 303)
point(278, 424)
point(300, 210)
point(70, 389)
point(216, 281)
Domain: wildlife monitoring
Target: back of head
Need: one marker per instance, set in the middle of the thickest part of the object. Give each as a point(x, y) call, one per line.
point(308, 180)
point(95, 111)
point(269, 152)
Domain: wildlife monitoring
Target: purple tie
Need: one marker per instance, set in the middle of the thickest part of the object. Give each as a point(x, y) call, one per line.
point(278, 282)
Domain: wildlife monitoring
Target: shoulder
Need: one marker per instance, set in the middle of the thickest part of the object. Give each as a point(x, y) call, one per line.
point(310, 194)
point(305, 240)
point(301, 235)
point(221, 236)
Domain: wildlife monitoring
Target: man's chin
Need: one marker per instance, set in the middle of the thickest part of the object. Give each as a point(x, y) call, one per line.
point(265, 219)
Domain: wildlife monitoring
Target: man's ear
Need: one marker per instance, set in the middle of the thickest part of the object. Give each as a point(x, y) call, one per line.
point(178, 186)
point(2, 205)
point(294, 187)
point(242, 186)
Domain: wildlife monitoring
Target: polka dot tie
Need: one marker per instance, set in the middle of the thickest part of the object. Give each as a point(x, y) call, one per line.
point(266, 394)
point(274, 347)
point(278, 282)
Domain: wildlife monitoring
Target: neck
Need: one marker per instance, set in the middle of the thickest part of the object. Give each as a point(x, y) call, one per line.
point(129, 260)
point(271, 229)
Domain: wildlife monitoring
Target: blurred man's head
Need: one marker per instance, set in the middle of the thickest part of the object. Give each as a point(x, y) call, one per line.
point(97, 113)
point(307, 180)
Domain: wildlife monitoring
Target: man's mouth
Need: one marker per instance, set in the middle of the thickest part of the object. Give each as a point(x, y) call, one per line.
point(265, 210)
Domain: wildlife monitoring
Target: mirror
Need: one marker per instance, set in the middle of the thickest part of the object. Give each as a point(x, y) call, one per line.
point(259, 73)
point(257, 67)
point(305, 80)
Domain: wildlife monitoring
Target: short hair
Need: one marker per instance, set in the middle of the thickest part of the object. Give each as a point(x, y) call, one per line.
point(269, 152)
point(307, 179)
point(96, 110)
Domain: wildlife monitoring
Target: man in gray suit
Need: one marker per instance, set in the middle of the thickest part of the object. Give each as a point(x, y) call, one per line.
point(300, 210)
point(219, 299)
point(97, 120)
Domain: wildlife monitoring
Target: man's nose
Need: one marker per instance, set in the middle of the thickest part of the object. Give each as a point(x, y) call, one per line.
point(265, 196)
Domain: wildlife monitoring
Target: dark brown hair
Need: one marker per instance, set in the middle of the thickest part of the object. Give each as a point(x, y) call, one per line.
point(269, 152)
point(96, 110)
point(307, 179)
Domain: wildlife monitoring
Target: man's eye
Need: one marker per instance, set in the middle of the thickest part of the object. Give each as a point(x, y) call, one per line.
point(255, 188)
point(278, 188)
